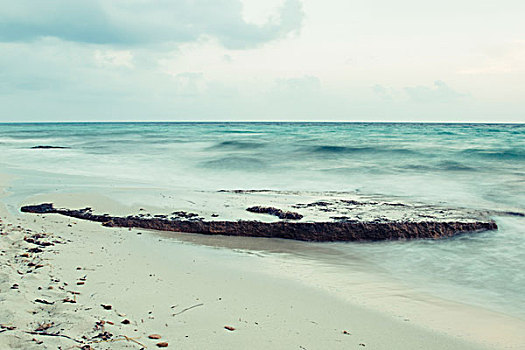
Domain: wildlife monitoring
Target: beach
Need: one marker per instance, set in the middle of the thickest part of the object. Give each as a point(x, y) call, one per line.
point(215, 292)
point(188, 293)
point(249, 174)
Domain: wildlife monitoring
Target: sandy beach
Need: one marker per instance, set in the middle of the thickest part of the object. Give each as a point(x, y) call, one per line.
point(254, 174)
point(68, 283)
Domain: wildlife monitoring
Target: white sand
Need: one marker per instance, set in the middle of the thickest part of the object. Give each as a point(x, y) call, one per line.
point(150, 279)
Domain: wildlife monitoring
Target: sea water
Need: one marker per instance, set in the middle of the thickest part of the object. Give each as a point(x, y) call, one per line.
point(469, 165)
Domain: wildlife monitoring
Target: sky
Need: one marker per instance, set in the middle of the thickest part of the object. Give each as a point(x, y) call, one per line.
point(262, 60)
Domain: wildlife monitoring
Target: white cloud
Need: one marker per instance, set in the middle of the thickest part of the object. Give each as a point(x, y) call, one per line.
point(302, 86)
point(189, 84)
point(505, 58)
point(136, 22)
point(439, 92)
point(255, 59)
point(114, 58)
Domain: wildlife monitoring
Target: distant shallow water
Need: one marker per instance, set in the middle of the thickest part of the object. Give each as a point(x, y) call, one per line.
point(471, 165)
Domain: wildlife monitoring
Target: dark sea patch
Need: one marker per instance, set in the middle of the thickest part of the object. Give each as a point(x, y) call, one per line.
point(235, 163)
point(369, 150)
point(108, 144)
point(240, 145)
point(447, 165)
point(496, 154)
point(419, 167)
point(446, 132)
point(167, 141)
point(450, 165)
point(238, 132)
point(362, 169)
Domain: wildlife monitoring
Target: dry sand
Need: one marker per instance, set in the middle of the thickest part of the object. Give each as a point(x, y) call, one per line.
point(188, 293)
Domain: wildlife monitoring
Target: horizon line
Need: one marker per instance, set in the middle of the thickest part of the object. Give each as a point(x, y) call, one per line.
point(260, 121)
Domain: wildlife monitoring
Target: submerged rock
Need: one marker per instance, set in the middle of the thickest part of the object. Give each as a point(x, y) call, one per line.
point(48, 147)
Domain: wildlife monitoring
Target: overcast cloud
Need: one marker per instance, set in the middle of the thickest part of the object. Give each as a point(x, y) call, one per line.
point(262, 60)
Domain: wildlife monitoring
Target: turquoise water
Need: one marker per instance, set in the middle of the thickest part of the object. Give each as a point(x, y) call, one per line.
point(472, 165)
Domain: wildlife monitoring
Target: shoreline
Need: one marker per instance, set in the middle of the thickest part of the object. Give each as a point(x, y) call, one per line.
point(139, 273)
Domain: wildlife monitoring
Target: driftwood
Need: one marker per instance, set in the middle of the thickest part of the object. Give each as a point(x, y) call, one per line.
point(188, 308)
point(54, 335)
point(302, 231)
point(122, 338)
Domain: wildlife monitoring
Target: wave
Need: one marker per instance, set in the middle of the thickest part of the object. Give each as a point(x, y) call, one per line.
point(446, 165)
point(235, 163)
point(238, 145)
point(505, 154)
point(417, 167)
point(233, 131)
point(326, 149)
point(450, 165)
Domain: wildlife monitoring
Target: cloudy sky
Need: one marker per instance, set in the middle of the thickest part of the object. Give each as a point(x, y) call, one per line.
point(349, 60)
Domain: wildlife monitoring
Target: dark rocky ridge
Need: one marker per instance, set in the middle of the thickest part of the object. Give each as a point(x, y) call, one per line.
point(303, 231)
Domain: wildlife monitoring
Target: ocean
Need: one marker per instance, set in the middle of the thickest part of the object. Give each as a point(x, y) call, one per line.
point(478, 166)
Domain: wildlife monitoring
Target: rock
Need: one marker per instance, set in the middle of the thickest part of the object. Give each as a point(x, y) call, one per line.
point(39, 209)
point(316, 231)
point(35, 250)
point(48, 147)
point(7, 327)
point(289, 215)
point(44, 326)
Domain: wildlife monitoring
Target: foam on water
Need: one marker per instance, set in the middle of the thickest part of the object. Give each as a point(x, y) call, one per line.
point(472, 165)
